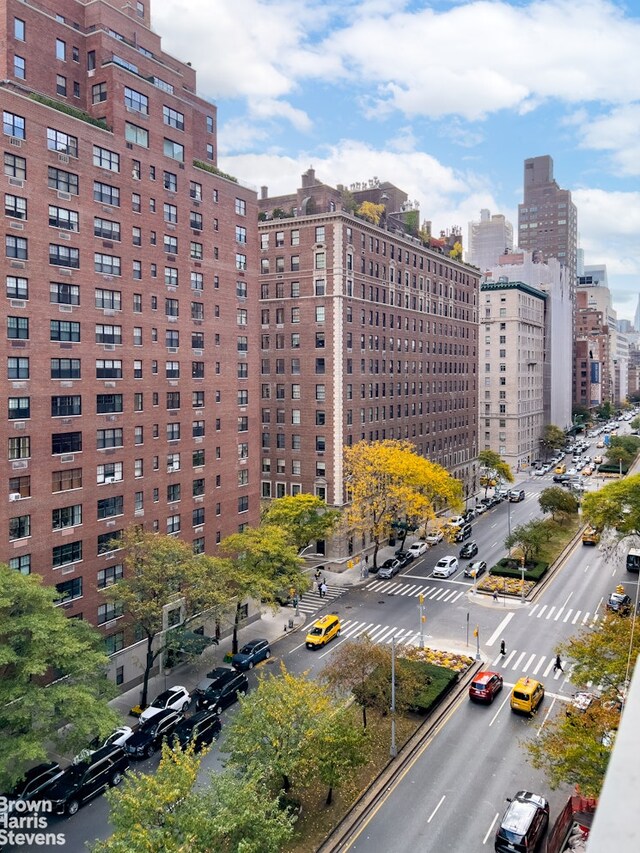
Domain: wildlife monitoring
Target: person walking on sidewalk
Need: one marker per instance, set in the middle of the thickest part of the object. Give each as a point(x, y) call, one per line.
point(558, 664)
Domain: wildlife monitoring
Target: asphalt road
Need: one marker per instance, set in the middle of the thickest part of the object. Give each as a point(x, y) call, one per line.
point(476, 759)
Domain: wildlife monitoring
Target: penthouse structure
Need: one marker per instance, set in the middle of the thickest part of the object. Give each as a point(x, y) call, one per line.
point(367, 334)
point(130, 277)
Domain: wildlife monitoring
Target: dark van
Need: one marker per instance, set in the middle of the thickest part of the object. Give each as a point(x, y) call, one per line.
point(523, 824)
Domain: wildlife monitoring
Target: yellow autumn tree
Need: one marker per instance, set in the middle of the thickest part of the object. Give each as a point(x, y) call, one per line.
point(387, 481)
point(456, 251)
point(371, 211)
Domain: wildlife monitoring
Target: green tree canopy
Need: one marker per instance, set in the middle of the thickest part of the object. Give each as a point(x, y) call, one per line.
point(351, 666)
point(528, 538)
point(557, 501)
point(338, 750)
point(304, 517)
point(493, 467)
point(552, 436)
point(52, 672)
point(616, 506)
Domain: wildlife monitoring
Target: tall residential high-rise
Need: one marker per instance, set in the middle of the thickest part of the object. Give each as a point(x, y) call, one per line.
point(548, 218)
point(367, 334)
point(130, 272)
point(489, 238)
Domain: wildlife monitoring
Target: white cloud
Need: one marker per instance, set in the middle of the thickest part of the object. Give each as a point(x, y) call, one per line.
point(619, 133)
point(609, 226)
point(270, 108)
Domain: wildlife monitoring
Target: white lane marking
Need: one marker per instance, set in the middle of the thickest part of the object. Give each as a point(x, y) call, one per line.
point(436, 808)
point(550, 611)
point(542, 660)
point(585, 617)
point(357, 629)
point(546, 716)
point(490, 830)
point(409, 590)
point(541, 611)
point(499, 629)
point(449, 594)
point(575, 618)
point(435, 592)
point(548, 669)
point(381, 635)
point(495, 716)
point(508, 659)
point(529, 662)
point(569, 612)
point(586, 568)
point(533, 610)
point(517, 663)
point(453, 600)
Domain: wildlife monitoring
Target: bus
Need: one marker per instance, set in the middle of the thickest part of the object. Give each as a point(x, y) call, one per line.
point(633, 560)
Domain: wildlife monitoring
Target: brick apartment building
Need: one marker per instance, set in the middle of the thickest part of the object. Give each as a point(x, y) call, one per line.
point(366, 334)
point(592, 370)
point(130, 271)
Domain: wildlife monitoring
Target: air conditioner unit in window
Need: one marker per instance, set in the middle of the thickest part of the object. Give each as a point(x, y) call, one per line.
point(15, 496)
point(109, 479)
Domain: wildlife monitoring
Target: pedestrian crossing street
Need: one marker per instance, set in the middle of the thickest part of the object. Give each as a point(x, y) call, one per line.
point(310, 602)
point(533, 665)
point(430, 592)
point(377, 633)
point(562, 614)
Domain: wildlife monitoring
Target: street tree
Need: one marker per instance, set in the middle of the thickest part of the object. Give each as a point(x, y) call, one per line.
point(493, 467)
point(388, 481)
point(605, 410)
point(622, 450)
point(559, 502)
point(53, 685)
point(351, 666)
point(304, 517)
point(375, 692)
point(260, 562)
point(338, 750)
point(552, 436)
point(160, 571)
point(575, 748)
point(635, 424)
point(616, 506)
point(164, 811)
point(528, 538)
point(275, 725)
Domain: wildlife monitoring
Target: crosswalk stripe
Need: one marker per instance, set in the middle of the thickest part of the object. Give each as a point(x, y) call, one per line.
point(508, 660)
point(358, 628)
point(529, 662)
point(551, 609)
point(542, 609)
point(409, 590)
point(548, 668)
point(452, 592)
point(575, 618)
point(453, 600)
point(434, 593)
point(533, 609)
point(380, 635)
point(586, 618)
point(569, 612)
point(558, 614)
point(517, 663)
point(540, 662)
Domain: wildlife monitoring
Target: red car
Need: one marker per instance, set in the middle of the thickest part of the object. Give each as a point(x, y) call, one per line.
point(484, 686)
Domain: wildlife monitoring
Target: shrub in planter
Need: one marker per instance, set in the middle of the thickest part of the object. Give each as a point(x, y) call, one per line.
point(510, 568)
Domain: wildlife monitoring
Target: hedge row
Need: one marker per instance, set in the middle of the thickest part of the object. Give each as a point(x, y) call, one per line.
point(509, 568)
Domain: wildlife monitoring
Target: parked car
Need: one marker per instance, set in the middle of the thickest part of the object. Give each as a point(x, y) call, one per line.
point(445, 567)
point(175, 698)
point(118, 737)
point(455, 521)
point(34, 780)
point(86, 778)
point(404, 558)
point(469, 515)
point(221, 695)
point(480, 508)
point(214, 679)
point(516, 495)
point(620, 603)
point(149, 735)
point(474, 570)
point(485, 686)
point(434, 537)
point(418, 548)
point(523, 824)
point(203, 728)
point(463, 532)
point(469, 550)
point(250, 654)
point(389, 568)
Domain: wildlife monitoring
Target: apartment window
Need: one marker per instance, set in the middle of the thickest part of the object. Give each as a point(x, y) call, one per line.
point(196, 251)
point(19, 29)
point(19, 408)
point(107, 264)
point(105, 159)
point(66, 516)
point(108, 368)
point(241, 207)
point(173, 524)
point(172, 338)
point(17, 368)
point(18, 328)
point(197, 369)
point(197, 399)
point(111, 610)
point(64, 256)
point(110, 575)
point(108, 334)
point(106, 228)
point(66, 442)
point(65, 294)
point(62, 181)
point(62, 555)
point(108, 404)
point(195, 190)
point(197, 428)
point(66, 480)
point(136, 101)
point(17, 287)
point(108, 507)
point(319, 313)
point(66, 405)
point(241, 234)
point(13, 125)
point(195, 220)
point(173, 400)
point(61, 49)
point(106, 194)
point(170, 181)
point(15, 167)
point(173, 432)
point(109, 438)
point(320, 393)
point(98, 90)
point(137, 369)
point(197, 281)
point(136, 135)
point(170, 244)
point(109, 472)
point(21, 564)
point(16, 247)
point(174, 150)
point(109, 541)
point(61, 85)
point(109, 299)
point(20, 448)
point(241, 262)
point(172, 118)
point(62, 142)
point(61, 217)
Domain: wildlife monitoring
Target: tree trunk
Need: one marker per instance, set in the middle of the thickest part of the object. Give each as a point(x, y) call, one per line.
point(147, 671)
point(286, 783)
point(236, 622)
point(329, 799)
point(404, 539)
point(375, 554)
point(364, 716)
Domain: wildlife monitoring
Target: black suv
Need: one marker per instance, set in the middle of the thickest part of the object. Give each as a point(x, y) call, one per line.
point(214, 678)
point(88, 776)
point(34, 780)
point(203, 728)
point(523, 823)
point(220, 697)
point(149, 735)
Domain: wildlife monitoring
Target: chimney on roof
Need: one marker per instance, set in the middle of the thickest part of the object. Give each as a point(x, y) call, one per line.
point(264, 192)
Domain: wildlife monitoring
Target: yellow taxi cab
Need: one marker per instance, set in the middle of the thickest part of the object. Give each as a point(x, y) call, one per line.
point(560, 469)
point(526, 695)
point(590, 536)
point(322, 631)
point(597, 459)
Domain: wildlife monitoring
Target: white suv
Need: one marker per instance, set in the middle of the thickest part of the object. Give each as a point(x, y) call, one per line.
point(418, 549)
point(175, 698)
point(445, 567)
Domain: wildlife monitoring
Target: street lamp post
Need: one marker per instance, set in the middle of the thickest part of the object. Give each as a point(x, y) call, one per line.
point(508, 517)
point(393, 751)
point(522, 570)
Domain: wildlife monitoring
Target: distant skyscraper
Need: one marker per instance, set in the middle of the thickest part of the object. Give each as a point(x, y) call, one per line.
point(548, 219)
point(636, 318)
point(488, 239)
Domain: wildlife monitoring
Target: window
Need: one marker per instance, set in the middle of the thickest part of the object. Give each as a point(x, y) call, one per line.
point(173, 150)
point(173, 524)
point(173, 432)
point(197, 311)
point(173, 492)
point(19, 527)
point(61, 217)
point(17, 287)
point(107, 264)
point(197, 281)
point(197, 429)
point(136, 135)
point(109, 472)
point(110, 575)
point(136, 101)
point(106, 228)
point(105, 159)
point(195, 251)
point(65, 368)
point(172, 118)
point(64, 256)
point(106, 194)
point(319, 313)
point(21, 564)
point(66, 442)
point(109, 541)
point(16, 247)
point(110, 299)
point(62, 142)
point(19, 29)
point(18, 328)
point(66, 516)
point(17, 368)
point(197, 516)
point(195, 190)
point(197, 369)
point(61, 50)
point(108, 334)
point(66, 480)
point(111, 610)
point(108, 507)
point(109, 438)
point(61, 293)
point(241, 207)
point(19, 408)
point(62, 555)
point(241, 262)
point(13, 125)
point(108, 403)
point(61, 85)
point(15, 167)
point(98, 90)
point(171, 276)
point(65, 405)
point(243, 503)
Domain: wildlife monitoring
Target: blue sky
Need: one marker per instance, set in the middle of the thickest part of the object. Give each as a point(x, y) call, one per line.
point(443, 99)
